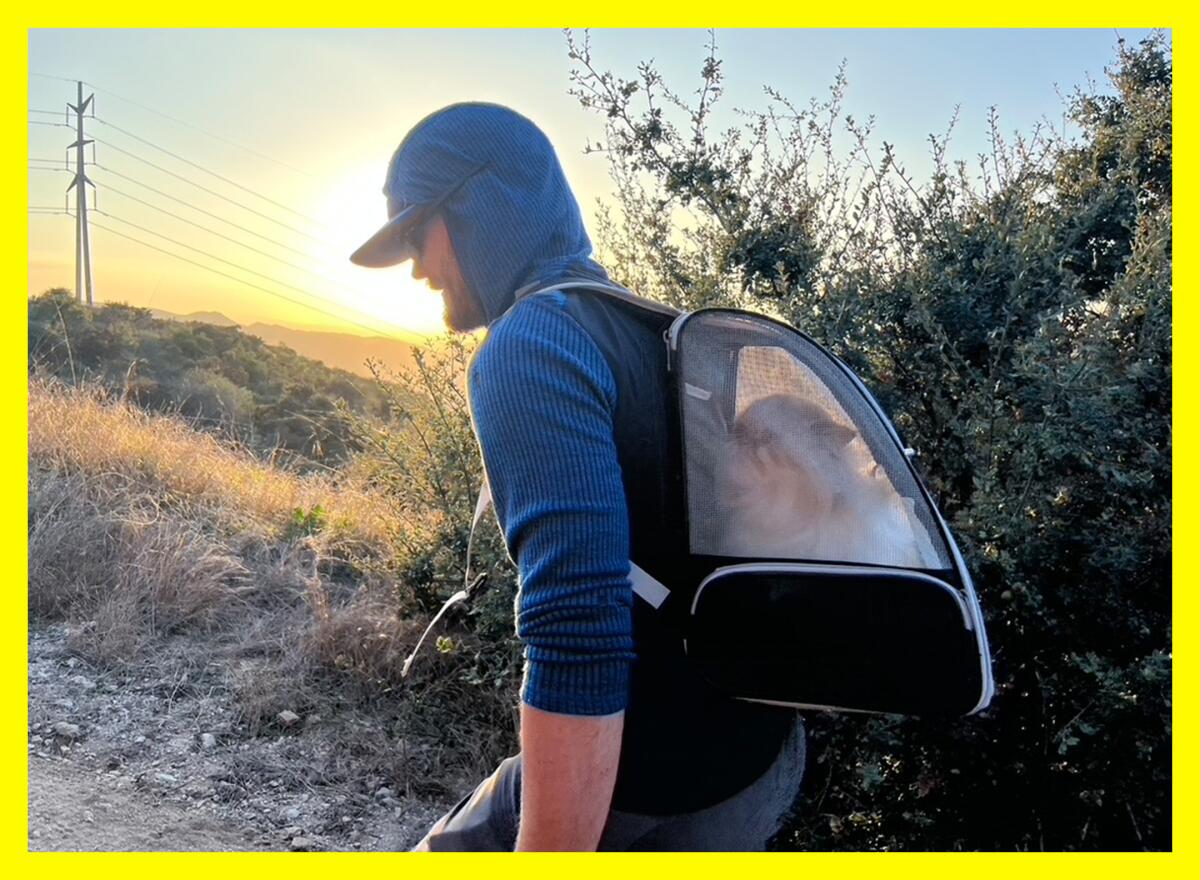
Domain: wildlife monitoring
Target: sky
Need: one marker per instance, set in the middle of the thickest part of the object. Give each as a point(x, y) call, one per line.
point(271, 146)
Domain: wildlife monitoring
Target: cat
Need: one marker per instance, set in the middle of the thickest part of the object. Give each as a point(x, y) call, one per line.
point(797, 487)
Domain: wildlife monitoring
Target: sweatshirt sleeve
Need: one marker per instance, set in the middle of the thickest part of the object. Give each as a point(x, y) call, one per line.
point(542, 399)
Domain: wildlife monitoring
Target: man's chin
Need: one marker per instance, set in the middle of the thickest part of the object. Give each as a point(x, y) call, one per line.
point(461, 314)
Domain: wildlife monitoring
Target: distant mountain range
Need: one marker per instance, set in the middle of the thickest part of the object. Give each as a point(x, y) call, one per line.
point(343, 350)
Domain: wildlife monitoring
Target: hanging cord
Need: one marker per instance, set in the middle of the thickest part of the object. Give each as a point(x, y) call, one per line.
point(471, 588)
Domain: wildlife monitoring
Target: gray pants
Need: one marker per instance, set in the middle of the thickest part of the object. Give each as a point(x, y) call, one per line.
point(486, 819)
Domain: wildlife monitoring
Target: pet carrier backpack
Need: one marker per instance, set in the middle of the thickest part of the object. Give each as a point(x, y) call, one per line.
point(824, 575)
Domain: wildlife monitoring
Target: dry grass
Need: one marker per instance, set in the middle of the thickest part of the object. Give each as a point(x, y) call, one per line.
point(83, 430)
point(140, 525)
point(141, 528)
point(131, 570)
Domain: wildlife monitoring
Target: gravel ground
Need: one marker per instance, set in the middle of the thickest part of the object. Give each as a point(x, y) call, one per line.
point(153, 759)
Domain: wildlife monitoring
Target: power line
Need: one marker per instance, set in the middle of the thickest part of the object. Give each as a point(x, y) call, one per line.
point(206, 189)
point(210, 171)
point(190, 125)
point(234, 265)
point(373, 330)
point(177, 121)
point(49, 76)
point(166, 195)
point(203, 131)
point(113, 189)
point(205, 253)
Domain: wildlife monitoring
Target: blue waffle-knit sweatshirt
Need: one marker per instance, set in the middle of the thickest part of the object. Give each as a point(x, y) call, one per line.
point(542, 399)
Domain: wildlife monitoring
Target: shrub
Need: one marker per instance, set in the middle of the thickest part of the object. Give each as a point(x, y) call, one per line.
point(1015, 321)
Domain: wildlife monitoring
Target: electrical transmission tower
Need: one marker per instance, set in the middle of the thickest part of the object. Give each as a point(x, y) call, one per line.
point(83, 257)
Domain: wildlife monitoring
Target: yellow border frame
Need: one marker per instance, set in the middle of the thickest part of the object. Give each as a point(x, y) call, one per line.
point(697, 13)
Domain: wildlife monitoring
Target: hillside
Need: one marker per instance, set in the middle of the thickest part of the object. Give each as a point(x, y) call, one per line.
point(269, 397)
point(343, 351)
point(202, 317)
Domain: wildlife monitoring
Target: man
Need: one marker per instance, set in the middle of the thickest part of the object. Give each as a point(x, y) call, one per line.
point(622, 746)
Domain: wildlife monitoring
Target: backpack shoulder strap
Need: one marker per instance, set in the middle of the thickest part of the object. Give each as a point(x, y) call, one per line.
point(615, 291)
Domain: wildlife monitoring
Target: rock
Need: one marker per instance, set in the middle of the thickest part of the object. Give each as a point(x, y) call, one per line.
point(69, 705)
point(312, 720)
point(165, 778)
point(287, 718)
point(291, 831)
point(302, 844)
point(384, 794)
point(208, 741)
point(138, 740)
point(291, 814)
point(68, 731)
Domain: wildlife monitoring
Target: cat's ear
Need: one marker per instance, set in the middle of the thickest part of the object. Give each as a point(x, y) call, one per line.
point(841, 435)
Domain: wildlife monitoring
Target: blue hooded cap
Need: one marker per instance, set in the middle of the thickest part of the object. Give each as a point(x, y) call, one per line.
point(497, 182)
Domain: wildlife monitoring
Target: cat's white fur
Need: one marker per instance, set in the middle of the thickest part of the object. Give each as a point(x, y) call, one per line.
point(797, 488)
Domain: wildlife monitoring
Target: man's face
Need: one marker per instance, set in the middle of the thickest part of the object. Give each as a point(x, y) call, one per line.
point(436, 261)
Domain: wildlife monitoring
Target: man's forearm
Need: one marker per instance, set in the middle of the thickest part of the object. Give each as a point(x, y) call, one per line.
point(568, 771)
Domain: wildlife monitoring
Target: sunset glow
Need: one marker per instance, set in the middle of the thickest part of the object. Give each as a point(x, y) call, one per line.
point(242, 188)
point(353, 208)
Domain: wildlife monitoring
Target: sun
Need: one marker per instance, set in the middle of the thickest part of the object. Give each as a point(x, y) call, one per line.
point(353, 208)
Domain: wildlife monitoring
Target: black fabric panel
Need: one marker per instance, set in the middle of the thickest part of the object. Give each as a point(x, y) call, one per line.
point(676, 755)
point(882, 642)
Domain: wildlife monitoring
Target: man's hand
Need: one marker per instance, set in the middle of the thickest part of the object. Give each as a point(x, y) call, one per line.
point(568, 770)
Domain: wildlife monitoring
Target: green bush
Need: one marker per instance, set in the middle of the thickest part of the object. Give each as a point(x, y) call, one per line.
point(1014, 319)
point(425, 458)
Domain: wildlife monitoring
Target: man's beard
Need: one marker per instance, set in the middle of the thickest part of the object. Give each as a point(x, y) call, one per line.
point(462, 311)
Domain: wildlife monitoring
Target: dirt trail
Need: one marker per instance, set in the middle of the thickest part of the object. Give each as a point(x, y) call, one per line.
point(153, 759)
point(72, 810)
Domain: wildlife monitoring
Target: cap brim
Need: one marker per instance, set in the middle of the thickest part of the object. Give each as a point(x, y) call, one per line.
point(390, 245)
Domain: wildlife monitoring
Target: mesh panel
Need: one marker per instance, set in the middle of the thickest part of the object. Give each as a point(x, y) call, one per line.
point(786, 459)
